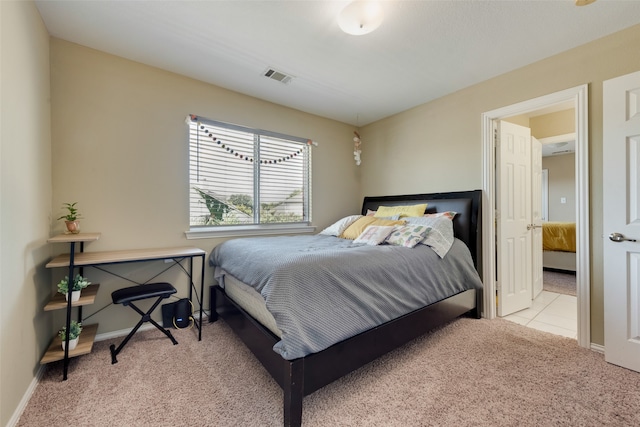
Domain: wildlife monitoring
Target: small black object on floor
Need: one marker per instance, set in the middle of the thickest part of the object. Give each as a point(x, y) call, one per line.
point(126, 296)
point(177, 314)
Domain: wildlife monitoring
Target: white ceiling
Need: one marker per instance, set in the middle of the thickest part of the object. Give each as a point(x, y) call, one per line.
point(558, 145)
point(422, 51)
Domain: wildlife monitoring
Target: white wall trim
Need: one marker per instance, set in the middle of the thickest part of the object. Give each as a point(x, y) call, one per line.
point(248, 230)
point(558, 138)
point(26, 397)
point(579, 95)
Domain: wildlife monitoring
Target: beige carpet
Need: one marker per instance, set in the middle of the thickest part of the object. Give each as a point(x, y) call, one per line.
point(560, 283)
point(469, 373)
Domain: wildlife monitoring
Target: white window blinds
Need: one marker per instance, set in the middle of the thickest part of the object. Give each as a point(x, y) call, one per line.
point(243, 176)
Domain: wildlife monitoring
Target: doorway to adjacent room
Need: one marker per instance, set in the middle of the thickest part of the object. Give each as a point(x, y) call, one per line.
point(578, 98)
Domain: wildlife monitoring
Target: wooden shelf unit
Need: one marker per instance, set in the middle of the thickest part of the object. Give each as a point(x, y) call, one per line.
point(74, 238)
point(85, 345)
point(59, 302)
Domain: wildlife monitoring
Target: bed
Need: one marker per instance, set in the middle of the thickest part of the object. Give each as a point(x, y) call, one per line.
point(559, 246)
point(301, 376)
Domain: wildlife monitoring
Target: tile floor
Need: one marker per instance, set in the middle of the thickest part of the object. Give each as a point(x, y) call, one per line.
point(550, 312)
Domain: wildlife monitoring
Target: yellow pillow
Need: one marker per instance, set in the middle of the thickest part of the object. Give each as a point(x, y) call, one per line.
point(406, 210)
point(356, 229)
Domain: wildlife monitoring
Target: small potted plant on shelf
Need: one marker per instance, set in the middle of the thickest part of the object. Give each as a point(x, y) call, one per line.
point(79, 283)
point(71, 218)
point(74, 334)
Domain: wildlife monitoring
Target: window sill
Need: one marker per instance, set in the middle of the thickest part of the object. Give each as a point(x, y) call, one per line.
point(247, 230)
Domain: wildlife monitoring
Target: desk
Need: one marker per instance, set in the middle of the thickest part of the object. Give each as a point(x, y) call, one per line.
point(94, 259)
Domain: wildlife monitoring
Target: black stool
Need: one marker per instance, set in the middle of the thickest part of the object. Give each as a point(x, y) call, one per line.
point(126, 296)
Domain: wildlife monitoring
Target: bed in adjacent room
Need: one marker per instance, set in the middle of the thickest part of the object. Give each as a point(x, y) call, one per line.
point(313, 308)
point(559, 246)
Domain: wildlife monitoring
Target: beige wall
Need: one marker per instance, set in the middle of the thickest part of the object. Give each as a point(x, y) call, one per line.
point(120, 150)
point(562, 184)
point(438, 146)
point(553, 124)
point(25, 181)
point(562, 169)
point(116, 141)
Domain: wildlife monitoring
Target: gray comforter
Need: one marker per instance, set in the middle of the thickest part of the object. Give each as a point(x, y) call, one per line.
point(323, 289)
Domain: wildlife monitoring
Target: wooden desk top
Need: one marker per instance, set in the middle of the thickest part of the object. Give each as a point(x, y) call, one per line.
point(131, 255)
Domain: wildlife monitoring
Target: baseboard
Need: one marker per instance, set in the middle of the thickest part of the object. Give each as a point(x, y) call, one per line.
point(597, 347)
point(145, 327)
point(121, 333)
point(26, 397)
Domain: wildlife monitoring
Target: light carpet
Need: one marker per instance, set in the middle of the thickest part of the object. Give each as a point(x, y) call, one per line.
point(468, 373)
point(560, 283)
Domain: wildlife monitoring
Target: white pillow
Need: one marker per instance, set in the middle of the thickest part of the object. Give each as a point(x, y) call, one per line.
point(375, 234)
point(440, 235)
point(339, 226)
point(448, 214)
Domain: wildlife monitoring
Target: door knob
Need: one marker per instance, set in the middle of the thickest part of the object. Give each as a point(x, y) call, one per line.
point(617, 237)
point(533, 226)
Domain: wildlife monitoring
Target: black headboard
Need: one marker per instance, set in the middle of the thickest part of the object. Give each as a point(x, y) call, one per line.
point(467, 224)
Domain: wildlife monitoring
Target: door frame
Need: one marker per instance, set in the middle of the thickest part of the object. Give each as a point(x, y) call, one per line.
point(545, 194)
point(579, 96)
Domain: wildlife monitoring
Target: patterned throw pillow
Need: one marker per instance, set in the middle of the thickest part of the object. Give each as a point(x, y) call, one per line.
point(358, 227)
point(448, 215)
point(374, 234)
point(440, 236)
point(408, 235)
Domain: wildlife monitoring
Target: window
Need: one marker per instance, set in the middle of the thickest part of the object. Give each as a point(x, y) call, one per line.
point(241, 176)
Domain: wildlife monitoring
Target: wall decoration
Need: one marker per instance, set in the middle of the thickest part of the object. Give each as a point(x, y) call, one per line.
point(202, 129)
point(356, 148)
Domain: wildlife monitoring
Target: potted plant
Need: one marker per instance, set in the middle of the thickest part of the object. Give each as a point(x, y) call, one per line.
point(79, 283)
point(74, 333)
point(71, 218)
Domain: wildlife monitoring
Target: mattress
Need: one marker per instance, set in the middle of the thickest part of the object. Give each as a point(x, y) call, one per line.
point(557, 260)
point(250, 300)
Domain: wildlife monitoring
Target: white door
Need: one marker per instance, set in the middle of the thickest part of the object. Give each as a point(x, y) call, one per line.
point(513, 182)
point(621, 215)
point(536, 215)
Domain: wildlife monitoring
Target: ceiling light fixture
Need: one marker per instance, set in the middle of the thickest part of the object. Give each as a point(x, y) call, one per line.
point(584, 2)
point(360, 17)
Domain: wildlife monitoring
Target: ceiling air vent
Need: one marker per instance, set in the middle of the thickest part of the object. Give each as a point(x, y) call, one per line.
point(555, 153)
point(277, 75)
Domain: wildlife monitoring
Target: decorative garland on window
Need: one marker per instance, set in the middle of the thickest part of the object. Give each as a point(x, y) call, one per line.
point(239, 155)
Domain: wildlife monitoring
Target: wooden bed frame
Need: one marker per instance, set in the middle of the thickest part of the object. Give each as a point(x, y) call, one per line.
point(303, 376)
